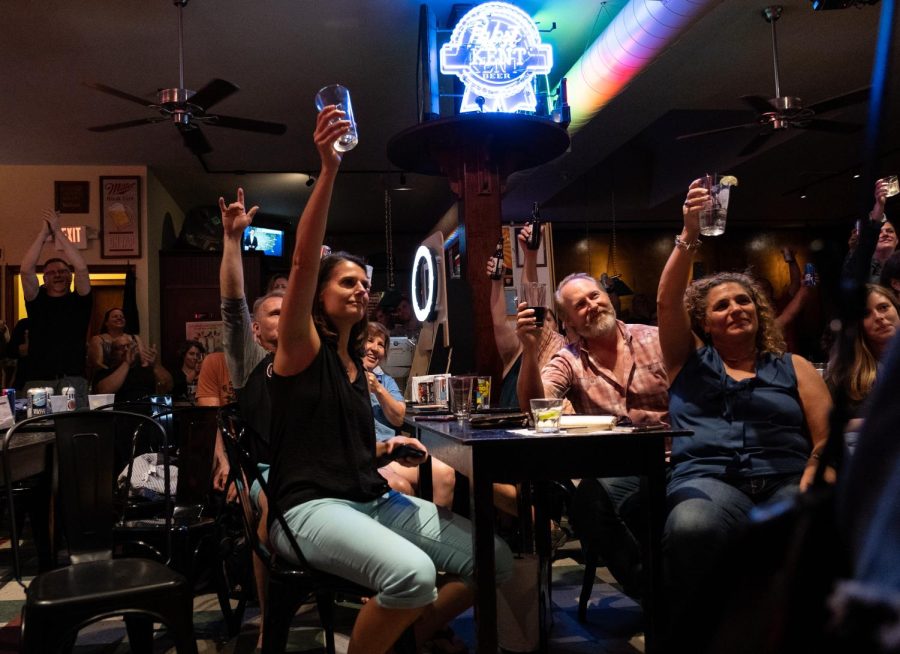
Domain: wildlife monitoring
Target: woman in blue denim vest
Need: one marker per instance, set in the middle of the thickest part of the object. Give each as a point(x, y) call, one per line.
point(759, 415)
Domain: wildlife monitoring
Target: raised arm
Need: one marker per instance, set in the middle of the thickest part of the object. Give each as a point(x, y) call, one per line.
point(235, 220)
point(529, 257)
point(298, 341)
point(82, 276)
point(28, 269)
point(529, 384)
point(881, 190)
point(793, 308)
point(675, 335)
point(504, 335)
point(793, 270)
point(867, 238)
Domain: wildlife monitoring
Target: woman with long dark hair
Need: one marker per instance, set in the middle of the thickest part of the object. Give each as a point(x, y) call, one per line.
point(324, 475)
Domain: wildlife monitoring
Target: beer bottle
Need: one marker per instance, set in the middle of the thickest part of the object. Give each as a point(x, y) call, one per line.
point(498, 260)
point(534, 241)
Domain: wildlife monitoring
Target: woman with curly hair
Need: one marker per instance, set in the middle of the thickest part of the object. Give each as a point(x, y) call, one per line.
point(759, 415)
point(873, 334)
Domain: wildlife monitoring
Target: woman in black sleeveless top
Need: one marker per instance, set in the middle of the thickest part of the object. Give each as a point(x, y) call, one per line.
point(324, 473)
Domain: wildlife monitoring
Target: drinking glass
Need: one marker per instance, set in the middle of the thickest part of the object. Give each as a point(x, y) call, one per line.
point(893, 185)
point(546, 412)
point(534, 294)
point(461, 397)
point(339, 96)
point(713, 216)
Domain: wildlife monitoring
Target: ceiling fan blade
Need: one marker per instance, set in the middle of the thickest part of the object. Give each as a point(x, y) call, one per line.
point(119, 94)
point(835, 126)
point(214, 92)
point(715, 131)
point(247, 124)
point(841, 101)
point(758, 103)
point(195, 140)
point(755, 143)
point(127, 123)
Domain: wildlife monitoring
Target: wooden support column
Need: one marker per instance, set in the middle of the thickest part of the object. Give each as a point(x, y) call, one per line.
point(476, 152)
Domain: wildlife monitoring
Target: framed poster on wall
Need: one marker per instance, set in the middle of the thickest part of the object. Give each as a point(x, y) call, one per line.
point(120, 217)
point(72, 197)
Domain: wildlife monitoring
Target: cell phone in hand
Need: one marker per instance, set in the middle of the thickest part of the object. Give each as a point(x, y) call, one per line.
point(407, 452)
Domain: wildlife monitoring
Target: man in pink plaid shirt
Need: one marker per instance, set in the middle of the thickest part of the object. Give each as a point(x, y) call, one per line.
point(611, 369)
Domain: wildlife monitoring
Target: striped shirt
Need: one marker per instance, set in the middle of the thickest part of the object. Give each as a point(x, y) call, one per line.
point(593, 389)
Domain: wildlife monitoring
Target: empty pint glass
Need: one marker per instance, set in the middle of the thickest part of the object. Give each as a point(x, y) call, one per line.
point(339, 96)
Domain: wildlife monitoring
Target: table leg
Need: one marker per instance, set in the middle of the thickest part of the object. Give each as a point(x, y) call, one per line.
point(541, 497)
point(481, 503)
point(653, 487)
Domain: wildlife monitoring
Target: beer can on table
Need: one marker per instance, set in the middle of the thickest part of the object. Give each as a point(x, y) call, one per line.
point(38, 399)
point(69, 392)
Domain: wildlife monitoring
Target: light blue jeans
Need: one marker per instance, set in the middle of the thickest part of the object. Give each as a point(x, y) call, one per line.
point(393, 544)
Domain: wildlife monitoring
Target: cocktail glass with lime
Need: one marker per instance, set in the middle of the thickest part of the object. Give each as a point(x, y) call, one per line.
point(546, 412)
point(713, 216)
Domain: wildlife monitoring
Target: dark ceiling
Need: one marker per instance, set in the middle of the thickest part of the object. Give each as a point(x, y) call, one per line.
point(281, 51)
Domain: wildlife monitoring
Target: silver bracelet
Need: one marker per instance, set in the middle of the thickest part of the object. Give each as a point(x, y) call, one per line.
point(684, 245)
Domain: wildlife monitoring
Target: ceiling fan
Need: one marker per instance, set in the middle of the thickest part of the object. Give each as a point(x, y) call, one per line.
point(187, 109)
point(784, 112)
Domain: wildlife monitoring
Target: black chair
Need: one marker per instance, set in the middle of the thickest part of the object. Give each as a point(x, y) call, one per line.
point(194, 546)
point(191, 445)
point(95, 585)
point(289, 585)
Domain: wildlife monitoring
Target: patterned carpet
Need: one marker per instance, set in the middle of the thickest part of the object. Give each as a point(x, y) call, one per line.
point(613, 620)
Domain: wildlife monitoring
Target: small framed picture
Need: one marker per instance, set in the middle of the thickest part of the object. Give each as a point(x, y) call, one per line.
point(120, 217)
point(72, 197)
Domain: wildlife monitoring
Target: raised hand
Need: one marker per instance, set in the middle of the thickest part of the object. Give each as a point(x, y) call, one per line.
point(524, 235)
point(528, 332)
point(148, 356)
point(696, 200)
point(330, 126)
point(51, 219)
point(491, 266)
point(235, 217)
point(881, 191)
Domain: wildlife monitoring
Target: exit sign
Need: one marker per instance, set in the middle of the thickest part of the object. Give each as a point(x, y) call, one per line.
point(77, 236)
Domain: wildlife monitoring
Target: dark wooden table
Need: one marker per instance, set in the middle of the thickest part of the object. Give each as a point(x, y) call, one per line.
point(31, 455)
point(486, 456)
point(28, 454)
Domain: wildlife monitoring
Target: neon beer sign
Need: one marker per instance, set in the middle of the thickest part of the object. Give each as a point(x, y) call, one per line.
point(496, 51)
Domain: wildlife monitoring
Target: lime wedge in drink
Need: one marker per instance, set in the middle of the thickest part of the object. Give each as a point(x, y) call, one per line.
point(728, 180)
point(549, 414)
